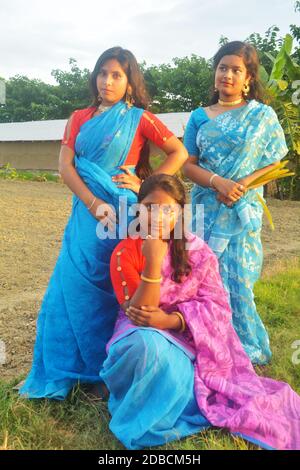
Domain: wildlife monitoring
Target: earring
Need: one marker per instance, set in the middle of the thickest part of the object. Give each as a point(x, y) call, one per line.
point(99, 98)
point(128, 97)
point(246, 89)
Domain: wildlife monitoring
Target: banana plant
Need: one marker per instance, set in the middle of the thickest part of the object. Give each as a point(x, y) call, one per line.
point(280, 88)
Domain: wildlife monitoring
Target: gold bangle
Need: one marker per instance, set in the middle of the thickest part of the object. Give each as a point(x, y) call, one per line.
point(147, 279)
point(183, 325)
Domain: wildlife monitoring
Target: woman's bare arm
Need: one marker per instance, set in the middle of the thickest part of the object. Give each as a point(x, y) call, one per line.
point(201, 176)
point(148, 293)
point(229, 191)
point(176, 156)
point(195, 173)
point(70, 176)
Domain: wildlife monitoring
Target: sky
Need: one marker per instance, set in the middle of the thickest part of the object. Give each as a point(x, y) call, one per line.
point(37, 36)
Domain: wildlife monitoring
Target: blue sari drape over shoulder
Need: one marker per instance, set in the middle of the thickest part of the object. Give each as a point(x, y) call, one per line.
point(79, 309)
point(235, 144)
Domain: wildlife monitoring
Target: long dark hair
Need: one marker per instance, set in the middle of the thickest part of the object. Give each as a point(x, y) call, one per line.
point(174, 187)
point(131, 68)
point(251, 61)
point(140, 95)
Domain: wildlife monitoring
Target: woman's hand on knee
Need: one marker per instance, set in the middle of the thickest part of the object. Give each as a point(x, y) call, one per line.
point(150, 316)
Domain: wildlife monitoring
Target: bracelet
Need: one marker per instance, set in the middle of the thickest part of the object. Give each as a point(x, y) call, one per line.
point(92, 203)
point(147, 279)
point(182, 321)
point(211, 179)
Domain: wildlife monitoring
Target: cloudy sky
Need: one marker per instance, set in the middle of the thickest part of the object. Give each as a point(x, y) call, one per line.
point(37, 36)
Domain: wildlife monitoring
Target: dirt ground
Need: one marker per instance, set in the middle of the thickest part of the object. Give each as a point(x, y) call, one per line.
point(32, 219)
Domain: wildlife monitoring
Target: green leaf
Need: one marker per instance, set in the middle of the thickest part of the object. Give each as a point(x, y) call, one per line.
point(280, 60)
point(288, 44)
point(293, 69)
point(272, 59)
point(263, 74)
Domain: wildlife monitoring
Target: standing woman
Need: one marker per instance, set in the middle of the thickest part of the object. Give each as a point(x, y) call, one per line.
point(230, 143)
point(79, 308)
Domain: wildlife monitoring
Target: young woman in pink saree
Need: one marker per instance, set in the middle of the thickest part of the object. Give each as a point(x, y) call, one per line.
point(175, 364)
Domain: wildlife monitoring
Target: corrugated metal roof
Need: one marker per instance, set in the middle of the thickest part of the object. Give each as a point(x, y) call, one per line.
point(54, 129)
point(32, 130)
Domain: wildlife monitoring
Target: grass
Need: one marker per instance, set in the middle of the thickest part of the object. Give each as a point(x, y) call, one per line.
point(79, 423)
point(9, 173)
point(278, 302)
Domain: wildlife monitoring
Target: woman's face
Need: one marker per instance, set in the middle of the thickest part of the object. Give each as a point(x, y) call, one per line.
point(231, 76)
point(159, 214)
point(111, 82)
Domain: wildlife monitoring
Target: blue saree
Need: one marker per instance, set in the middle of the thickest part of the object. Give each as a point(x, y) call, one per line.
point(235, 144)
point(79, 308)
point(151, 382)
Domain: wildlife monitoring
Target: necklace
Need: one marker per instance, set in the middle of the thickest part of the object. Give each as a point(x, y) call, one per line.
point(230, 103)
point(103, 108)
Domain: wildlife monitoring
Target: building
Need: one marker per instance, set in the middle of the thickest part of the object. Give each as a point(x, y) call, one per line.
point(35, 145)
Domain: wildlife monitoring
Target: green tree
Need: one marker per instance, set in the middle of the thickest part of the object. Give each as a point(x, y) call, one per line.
point(295, 29)
point(280, 87)
point(73, 88)
point(29, 100)
point(33, 100)
point(270, 43)
point(181, 86)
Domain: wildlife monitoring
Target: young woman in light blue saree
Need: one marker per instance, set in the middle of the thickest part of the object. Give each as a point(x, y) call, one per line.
point(79, 309)
point(230, 143)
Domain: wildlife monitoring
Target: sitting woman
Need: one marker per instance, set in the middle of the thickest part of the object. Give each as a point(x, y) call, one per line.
point(175, 364)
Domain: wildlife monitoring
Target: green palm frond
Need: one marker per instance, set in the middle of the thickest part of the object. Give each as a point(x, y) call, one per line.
point(289, 116)
point(279, 89)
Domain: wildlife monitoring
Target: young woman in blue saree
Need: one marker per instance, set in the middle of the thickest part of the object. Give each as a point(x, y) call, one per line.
point(230, 143)
point(79, 309)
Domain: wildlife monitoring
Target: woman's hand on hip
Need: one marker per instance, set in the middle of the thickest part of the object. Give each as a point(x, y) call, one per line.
point(127, 180)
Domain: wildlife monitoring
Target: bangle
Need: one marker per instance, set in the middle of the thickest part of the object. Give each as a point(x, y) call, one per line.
point(182, 321)
point(92, 203)
point(147, 279)
point(211, 179)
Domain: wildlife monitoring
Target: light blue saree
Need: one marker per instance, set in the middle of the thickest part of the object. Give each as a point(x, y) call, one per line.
point(79, 309)
point(235, 144)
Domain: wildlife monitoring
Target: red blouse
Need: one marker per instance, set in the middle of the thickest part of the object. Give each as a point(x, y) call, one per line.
point(126, 265)
point(150, 127)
